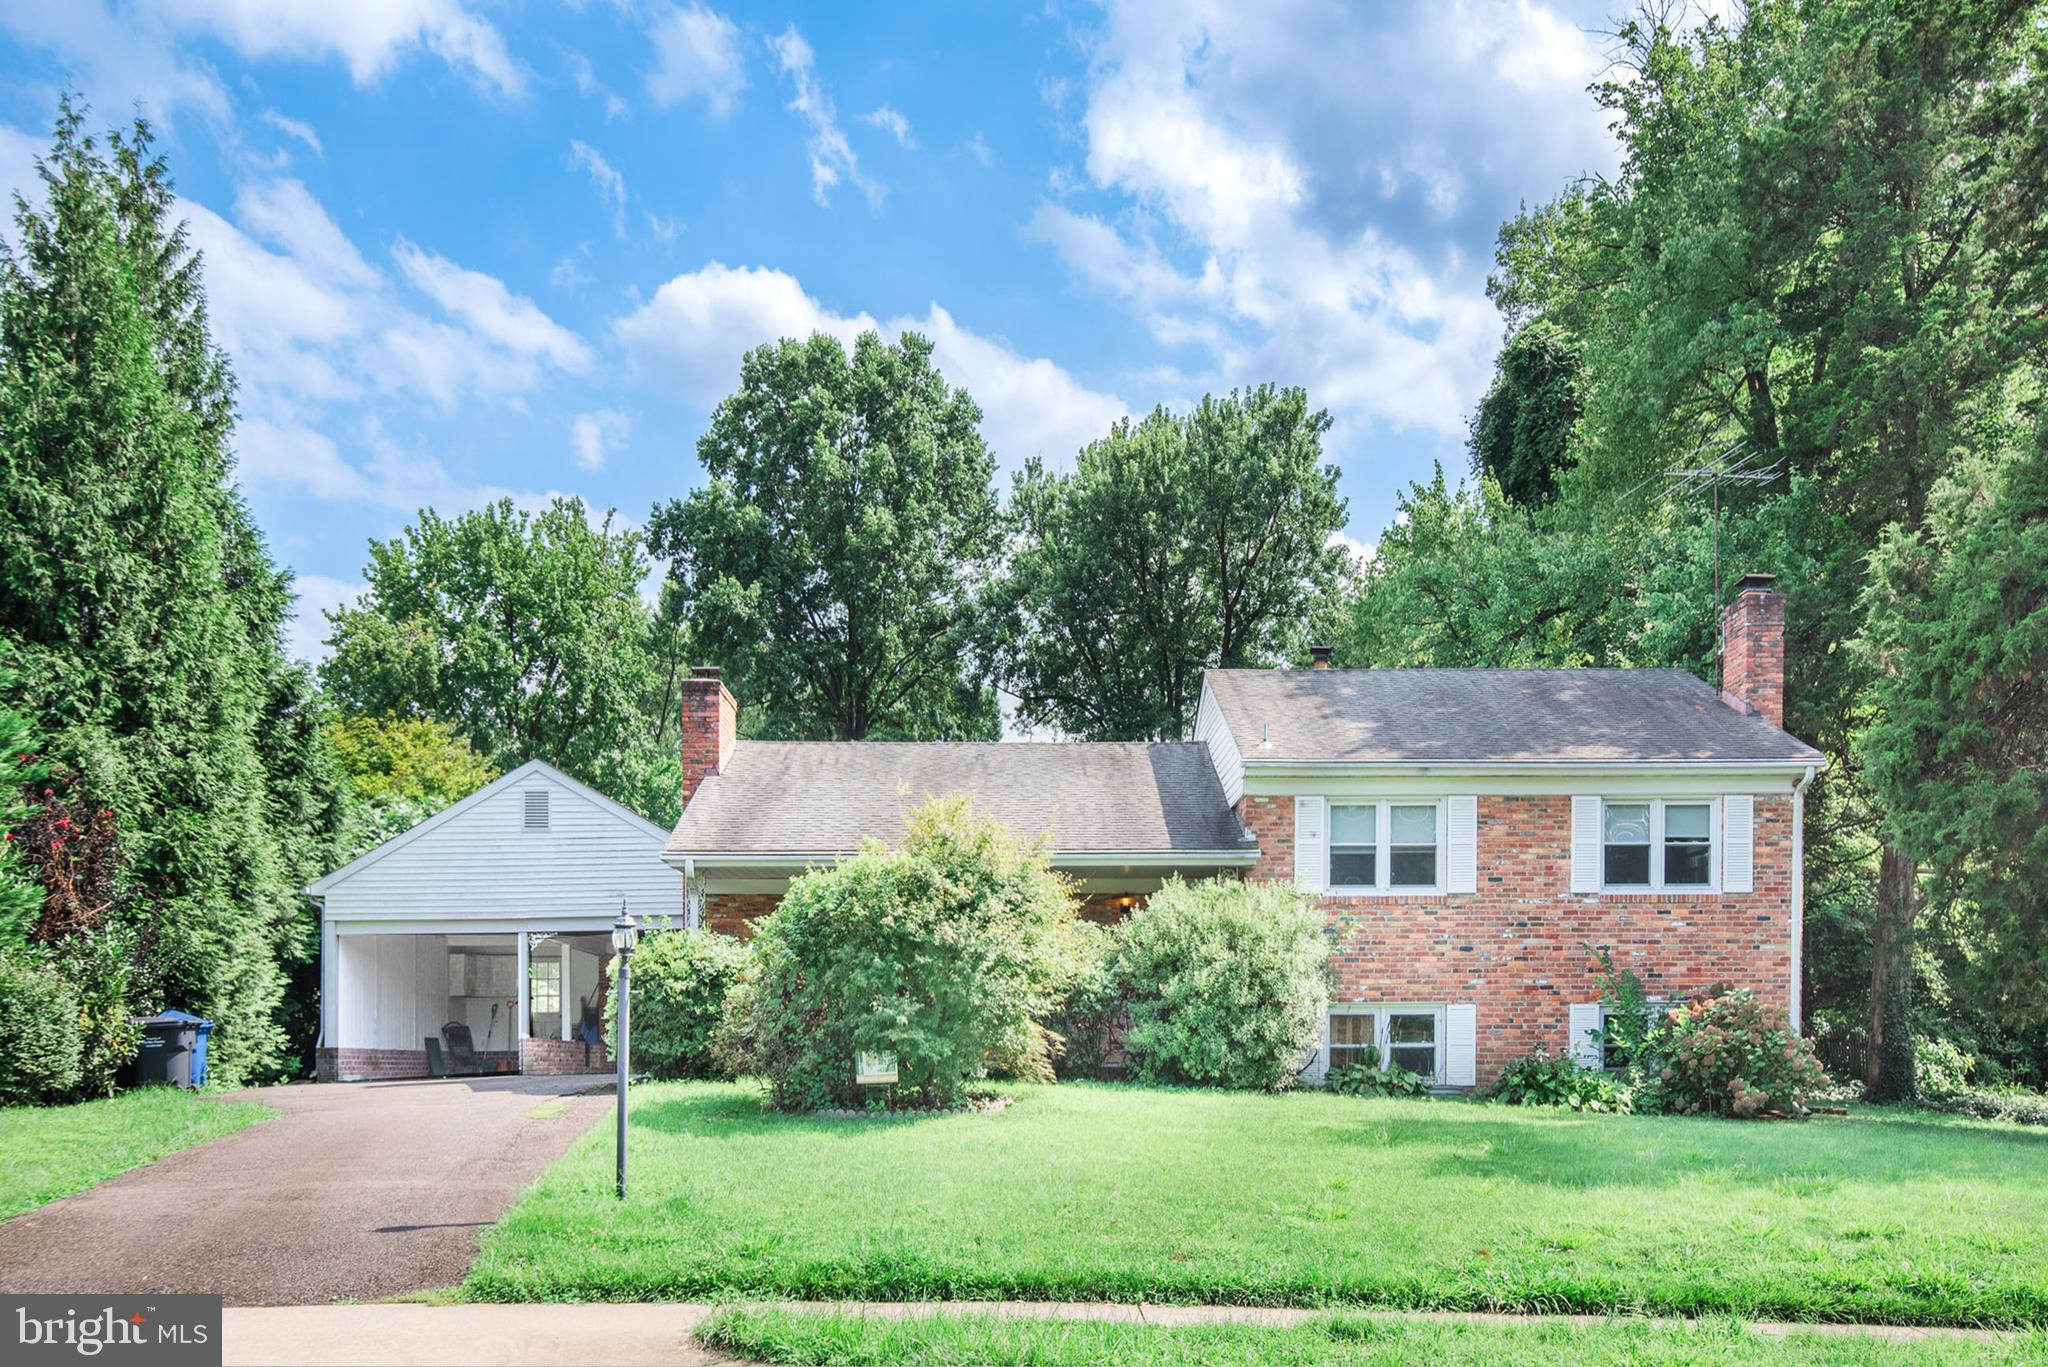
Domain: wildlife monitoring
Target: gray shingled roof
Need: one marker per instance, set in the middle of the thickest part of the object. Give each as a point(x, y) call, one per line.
point(1489, 715)
point(825, 797)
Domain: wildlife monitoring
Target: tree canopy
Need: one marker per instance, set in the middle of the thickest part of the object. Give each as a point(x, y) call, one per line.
point(831, 561)
point(1176, 544)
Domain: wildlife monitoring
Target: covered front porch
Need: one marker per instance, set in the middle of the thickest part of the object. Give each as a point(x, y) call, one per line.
point(452, 999)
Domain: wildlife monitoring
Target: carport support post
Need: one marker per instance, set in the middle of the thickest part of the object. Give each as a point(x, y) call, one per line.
point(624, 936)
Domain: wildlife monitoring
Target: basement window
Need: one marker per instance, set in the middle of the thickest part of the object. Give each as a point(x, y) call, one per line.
point(536, 809)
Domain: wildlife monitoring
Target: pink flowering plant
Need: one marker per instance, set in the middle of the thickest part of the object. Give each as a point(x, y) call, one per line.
point(1733, 1055)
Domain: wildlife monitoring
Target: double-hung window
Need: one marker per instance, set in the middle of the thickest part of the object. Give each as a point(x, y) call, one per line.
point(1410, 1037)
point(1386, 846)
point(1654, 844)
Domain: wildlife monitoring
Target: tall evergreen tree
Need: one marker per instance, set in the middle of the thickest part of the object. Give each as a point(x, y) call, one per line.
point(145, 613)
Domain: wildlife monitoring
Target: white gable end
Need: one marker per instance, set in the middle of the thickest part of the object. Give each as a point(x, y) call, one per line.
point(535, 843)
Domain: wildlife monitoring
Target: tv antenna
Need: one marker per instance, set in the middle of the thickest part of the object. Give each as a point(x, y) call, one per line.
point(1739, 464)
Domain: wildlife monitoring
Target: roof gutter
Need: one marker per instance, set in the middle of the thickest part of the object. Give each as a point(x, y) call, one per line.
point(1509, 766)
point(1079, 859)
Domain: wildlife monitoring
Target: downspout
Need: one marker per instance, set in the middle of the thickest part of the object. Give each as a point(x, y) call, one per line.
point(1799, 896)
point(691, 919)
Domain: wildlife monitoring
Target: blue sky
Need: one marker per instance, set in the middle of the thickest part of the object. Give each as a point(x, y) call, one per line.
point(460, 249)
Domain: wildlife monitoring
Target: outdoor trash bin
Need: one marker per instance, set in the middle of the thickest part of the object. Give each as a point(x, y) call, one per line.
point(173, 1049)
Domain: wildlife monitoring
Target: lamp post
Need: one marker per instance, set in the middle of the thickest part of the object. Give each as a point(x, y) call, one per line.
point(624, 936)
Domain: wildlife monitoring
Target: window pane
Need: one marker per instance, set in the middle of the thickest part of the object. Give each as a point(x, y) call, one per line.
point(1350, 1028)
point(1687, 822)
point(1687, 864)
point(1354, 825)
point(1628, 865)
point(1344, 1056)
point(1412, 868)
point(1353, 868)
point(1628, 823)
point(1413, 825)
point(1415, 1058)
point(1411, 1029)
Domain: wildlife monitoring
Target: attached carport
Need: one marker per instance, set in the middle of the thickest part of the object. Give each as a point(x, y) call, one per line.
point(478, 941)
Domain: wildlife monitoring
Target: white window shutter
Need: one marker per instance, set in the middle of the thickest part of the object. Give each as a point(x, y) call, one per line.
point(1585, 844)
point(1738, 843)
point(1462, 815)
point(1585, 1028)
point(1310, 828)
point(1461, 1044)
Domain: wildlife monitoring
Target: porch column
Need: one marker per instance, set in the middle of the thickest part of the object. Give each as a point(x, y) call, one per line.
point(563, 945)
point(522, 1020)
point(330, 983)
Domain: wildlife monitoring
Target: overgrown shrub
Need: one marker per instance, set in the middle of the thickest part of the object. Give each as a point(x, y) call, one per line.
point(943, 955)
point(1541, 1079)
point(2016, 1104)
point(40, 1042)
point(1226, 984)
point(101, 968)
point(1367, 1078)
point(1732, 1055)
point(681, 979)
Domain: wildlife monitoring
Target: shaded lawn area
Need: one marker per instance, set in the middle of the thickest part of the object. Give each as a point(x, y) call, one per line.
point(826, 1339)
point(1090, 1192)
point(51, 1151)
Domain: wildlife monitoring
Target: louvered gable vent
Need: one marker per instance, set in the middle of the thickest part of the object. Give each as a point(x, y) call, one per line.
point(536, 809)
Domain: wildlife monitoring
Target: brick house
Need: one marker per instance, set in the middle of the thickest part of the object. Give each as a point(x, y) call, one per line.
point(1468, 833)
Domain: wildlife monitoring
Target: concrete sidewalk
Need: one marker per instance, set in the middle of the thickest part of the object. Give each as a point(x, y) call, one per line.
point(661, 1335)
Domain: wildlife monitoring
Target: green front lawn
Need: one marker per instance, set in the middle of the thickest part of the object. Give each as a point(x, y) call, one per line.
point(51, 1151)
point(825, 1339)
point(1107, 1193)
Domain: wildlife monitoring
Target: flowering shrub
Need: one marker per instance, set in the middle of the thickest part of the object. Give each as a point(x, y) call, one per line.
point(1732, 1055)
point(1369, 1079)
point(1555, 1080)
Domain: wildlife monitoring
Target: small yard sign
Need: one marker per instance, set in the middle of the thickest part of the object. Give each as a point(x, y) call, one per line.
point(874, 1070)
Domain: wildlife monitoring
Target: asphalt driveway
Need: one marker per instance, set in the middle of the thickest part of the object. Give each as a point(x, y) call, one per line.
point(354, 1191)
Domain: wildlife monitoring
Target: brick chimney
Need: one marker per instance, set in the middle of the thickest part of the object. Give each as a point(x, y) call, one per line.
point(1753, 649)
point(1319, 657)
point(711, 721)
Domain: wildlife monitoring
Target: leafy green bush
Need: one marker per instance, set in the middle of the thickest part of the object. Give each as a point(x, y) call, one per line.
point(945, 955)
point(1089, 1024)
point(101, 968)
point(1940, 1065)
point(40, 1041)
point(2016, 1104)
point(1226, 983)
point(1367, 1078)
point(681, 979)
point(1541, 1079)
point(1732, 1055)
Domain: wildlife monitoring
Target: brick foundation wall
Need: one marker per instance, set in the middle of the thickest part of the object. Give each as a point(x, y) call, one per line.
point(385, 1065)
point(1515, 949)
point(557, 1057)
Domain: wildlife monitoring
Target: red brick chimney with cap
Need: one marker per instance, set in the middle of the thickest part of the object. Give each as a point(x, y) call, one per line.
point(711, 722)
point(1319, 657)
point(1753, 649)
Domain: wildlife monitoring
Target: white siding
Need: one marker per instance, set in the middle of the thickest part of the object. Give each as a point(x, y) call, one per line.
point(1224, 755)
point(482, 863)
point(394, 990)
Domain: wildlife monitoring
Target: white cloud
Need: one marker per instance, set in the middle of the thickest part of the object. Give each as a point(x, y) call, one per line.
point(509, 320)
point(688, 339)
point(832, 157)
point(295, 128)
point(593, 436)
point(978, 148)
point(18, 153)
point(123, 58)
point(588, 86)
point(697, 56)
point(1360, 553)
point(369, 36)
point(305, 635)
point(890, 122)
point(611, 186)
point(1261, 231)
